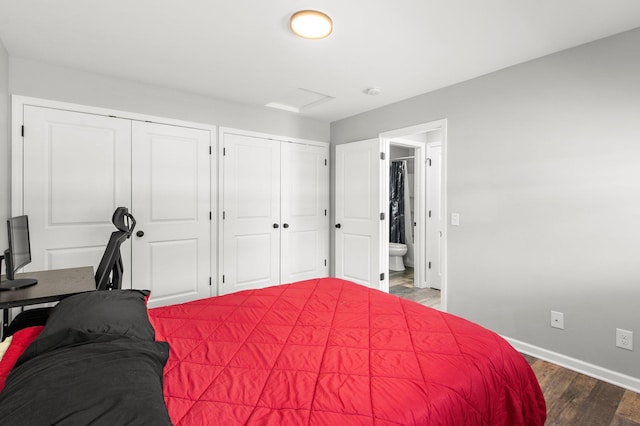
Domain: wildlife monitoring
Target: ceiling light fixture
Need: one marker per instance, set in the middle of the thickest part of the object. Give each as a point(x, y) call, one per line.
point(311, 24)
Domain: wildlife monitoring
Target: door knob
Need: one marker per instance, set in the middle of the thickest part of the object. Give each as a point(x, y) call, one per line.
point(276, 226)
point(338, 225)
point(286, 225)
point(139, 234)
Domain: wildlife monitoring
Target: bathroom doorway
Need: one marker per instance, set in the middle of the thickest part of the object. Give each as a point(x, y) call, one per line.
point(421, 273)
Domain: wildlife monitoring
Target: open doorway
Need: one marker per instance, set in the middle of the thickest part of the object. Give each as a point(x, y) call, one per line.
point(417, 208)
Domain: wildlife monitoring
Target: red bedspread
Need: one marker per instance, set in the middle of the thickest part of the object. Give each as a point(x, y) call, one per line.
point(330, 352)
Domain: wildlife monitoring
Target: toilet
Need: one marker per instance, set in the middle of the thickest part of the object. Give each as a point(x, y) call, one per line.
point(396, 251)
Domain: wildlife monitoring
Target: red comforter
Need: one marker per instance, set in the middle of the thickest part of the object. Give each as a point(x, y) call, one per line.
point(330, 352)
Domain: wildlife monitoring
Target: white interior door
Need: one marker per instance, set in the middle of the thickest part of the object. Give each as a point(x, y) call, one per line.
point(170, 185)
point(358, 234)
point(76, 172)
point(304, 203)
point(251, 213)
point(434, 219)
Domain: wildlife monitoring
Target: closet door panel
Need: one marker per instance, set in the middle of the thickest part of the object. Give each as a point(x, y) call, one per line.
point(251, 206)
point(170, 190)
point(304, 200)
point(76, 171)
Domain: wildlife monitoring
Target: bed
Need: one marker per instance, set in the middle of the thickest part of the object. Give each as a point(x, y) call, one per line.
point(316, 352)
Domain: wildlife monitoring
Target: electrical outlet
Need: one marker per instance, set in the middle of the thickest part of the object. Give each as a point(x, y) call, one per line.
point(624, 339)
point(557, 320)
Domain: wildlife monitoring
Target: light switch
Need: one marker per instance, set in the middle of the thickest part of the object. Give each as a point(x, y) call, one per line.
point(455, 219)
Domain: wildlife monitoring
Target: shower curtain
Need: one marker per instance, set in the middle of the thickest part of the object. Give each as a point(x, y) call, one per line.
point(396, 202)
point(400, 222)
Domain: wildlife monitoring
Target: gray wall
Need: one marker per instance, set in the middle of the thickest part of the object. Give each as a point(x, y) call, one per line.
point(5, 162)
point(39, 80)
point(544, 169)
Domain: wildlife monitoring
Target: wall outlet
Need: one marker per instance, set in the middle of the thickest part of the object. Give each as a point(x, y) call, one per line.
point(557, 320)
point(455, 219)
point(624, 339)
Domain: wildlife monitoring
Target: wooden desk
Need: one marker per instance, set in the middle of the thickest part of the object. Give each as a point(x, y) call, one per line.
point(53, 285)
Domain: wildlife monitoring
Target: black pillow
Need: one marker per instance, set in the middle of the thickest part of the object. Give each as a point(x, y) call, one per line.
point(121, 312)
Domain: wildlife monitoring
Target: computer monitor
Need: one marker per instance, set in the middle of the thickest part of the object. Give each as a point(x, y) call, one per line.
point(18, 254)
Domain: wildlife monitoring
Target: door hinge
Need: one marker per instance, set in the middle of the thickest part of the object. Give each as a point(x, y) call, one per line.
point(210, 216)
point(325, 161)
point(325, 262)
point(429, 265)
point(429, 213)
point(209, 281)
point(224, 215)
point(223, 279)
point(382, 276)
point(23, 131)
point(224, 151)
point(382, 216)
point(209, 149)
point(325, 212)
point(382, 155)
point(429, 162)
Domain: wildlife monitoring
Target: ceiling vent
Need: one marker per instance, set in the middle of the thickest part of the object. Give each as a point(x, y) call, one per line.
point(300, 100)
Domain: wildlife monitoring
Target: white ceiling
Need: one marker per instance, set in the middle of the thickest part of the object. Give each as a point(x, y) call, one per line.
point(243, 51)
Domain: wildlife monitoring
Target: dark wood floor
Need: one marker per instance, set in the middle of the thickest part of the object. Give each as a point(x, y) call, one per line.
point(575, 399)
point(572, 398)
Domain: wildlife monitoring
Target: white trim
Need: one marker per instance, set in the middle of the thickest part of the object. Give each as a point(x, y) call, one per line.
point(213, 208)
point(591, 370)
point(17, 120)
point(383, 205)
point(260, 135)
point(424, 128)
point(47, 103)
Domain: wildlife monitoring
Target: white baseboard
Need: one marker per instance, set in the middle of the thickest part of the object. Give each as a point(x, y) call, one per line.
point(597, 372)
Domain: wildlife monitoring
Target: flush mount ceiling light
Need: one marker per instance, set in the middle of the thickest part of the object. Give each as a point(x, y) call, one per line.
point(311, 24)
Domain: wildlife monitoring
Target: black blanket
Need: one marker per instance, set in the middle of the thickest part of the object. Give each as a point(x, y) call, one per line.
point(80, 378)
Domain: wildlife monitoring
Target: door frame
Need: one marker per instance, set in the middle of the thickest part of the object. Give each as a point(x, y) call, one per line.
point(420, 273)
point(385, 139)
point(18, 103)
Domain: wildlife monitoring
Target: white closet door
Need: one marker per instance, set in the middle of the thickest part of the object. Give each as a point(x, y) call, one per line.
point(251, 209)
point(305, 203)
point(358, 206)
point(170, 184)
point(76, 171)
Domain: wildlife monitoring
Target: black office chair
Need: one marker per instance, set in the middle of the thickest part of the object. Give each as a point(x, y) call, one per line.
point(110, 269)
point(108, 275)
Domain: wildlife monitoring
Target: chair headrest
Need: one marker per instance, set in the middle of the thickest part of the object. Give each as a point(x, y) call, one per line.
point(119, 219)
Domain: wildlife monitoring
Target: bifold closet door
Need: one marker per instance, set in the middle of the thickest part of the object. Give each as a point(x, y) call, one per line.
point(78, 168)
point(251, 213)
point(304, 202)
point(76, 171)
point(170, 201)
